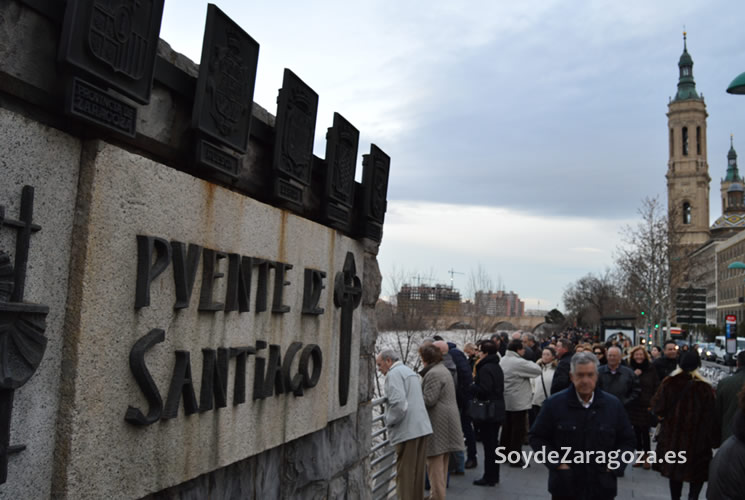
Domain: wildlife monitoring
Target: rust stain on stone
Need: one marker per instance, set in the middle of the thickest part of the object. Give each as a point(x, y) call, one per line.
point(209, 211)
point(282, 226)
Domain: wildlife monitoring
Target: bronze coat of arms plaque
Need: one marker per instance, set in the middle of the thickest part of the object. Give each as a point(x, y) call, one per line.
point(227, 73)
point(113, 41)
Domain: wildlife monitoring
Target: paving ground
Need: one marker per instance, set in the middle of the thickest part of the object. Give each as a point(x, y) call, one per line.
point(531, 484)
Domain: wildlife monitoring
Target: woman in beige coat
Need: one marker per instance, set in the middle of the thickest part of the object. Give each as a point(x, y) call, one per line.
point(439, 398)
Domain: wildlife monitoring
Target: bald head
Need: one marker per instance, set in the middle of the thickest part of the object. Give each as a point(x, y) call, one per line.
point(442, 346)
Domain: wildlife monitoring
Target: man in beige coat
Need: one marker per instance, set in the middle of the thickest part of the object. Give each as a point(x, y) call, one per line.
point(407, 422)
point(518, 396)
point(438, 391)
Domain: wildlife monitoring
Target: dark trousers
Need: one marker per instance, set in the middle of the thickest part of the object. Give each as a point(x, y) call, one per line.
point(532, 414)
point(642, 438)
point(489, 438)
point(513, 433)
point(466, 424)
point(676, 489)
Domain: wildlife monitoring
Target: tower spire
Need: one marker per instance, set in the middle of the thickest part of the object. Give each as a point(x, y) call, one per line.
point(733, 175)
point(686, 84)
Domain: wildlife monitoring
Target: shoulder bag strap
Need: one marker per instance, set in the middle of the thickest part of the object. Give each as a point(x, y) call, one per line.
point(543, 383)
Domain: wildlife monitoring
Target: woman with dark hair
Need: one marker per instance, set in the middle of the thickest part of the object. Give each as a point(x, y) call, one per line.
point(638, 409)
point(656, 352)
point(685, 401)
point(599, 351)
point(543, 381)
point(438, 390)
point(488, 385)
point(727, 470)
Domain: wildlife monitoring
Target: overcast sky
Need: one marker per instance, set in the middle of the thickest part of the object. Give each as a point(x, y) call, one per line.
point(522, 135)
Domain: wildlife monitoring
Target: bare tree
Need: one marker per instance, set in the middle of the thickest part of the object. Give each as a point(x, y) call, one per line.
point(480, 286)
point(591, 297)
point(644, 261)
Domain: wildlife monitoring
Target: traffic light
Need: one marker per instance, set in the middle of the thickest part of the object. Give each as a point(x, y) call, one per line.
point(657, 325)
point(642, 313)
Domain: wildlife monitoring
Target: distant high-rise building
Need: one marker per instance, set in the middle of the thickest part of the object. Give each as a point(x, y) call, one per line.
point(438, 300)
point(500, 303)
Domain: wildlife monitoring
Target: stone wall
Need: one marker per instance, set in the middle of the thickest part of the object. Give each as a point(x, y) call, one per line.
point(96, 193)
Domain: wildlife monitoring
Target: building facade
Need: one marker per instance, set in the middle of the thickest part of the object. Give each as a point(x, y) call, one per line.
point(730, 283)
point(437, 300)
point(500, 303)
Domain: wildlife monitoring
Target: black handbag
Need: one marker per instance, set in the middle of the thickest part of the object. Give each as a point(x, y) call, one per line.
point(486, 411)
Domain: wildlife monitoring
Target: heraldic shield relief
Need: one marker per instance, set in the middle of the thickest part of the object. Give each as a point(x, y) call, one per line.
point(22, 325)
point(225, 88)
point(118, 34)
point(114, 41)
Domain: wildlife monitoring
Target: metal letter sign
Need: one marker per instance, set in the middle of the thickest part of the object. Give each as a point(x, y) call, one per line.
point(22, 325)
point(347, 295)
point(295, 127)
point(113, 41)
point(225, 89)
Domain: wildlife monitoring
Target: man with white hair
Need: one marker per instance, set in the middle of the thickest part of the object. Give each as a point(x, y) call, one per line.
point(617, 378)
point(518, 395)
point(582, 419)
point(408, 423)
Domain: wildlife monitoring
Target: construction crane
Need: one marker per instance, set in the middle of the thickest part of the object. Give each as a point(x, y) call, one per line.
point(452, 273)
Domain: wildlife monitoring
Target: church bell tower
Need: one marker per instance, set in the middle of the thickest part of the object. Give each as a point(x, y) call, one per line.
point(687, 169)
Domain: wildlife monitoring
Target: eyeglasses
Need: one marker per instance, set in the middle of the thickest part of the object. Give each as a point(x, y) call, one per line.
point(598, 352)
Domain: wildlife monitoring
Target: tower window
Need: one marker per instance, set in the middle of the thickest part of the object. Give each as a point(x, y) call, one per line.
point(686, 213)
point(685, 141)
point(698, 140)
point(672, 143)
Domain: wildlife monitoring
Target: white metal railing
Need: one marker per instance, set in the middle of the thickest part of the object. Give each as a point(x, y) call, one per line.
point(715, 372)
point(382, 456)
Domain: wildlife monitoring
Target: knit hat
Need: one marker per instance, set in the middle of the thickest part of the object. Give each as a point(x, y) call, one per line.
point(690, 361)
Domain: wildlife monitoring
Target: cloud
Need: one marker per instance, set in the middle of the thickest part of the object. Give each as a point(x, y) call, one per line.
point(533, 255)
point(522, 135)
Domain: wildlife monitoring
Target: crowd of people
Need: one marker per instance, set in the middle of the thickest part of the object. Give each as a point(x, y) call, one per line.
point(590, 407)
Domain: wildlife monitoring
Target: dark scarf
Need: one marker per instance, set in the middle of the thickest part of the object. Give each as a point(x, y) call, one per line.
point(642, 366)
point(427, 368)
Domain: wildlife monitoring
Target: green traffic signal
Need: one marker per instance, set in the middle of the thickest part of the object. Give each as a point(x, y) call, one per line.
point(642, 313)
point(657, 325)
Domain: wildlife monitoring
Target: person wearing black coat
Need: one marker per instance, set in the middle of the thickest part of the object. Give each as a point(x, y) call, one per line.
point(564, 350)
point(618, 379)
point(668, 362)
point(583, 418)
point(463, 398)
point(489, 386)
point(727, 468)
point(639, 409)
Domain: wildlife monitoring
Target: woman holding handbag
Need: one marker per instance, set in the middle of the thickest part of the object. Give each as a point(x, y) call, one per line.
point(488, 391)
point(543, 381)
